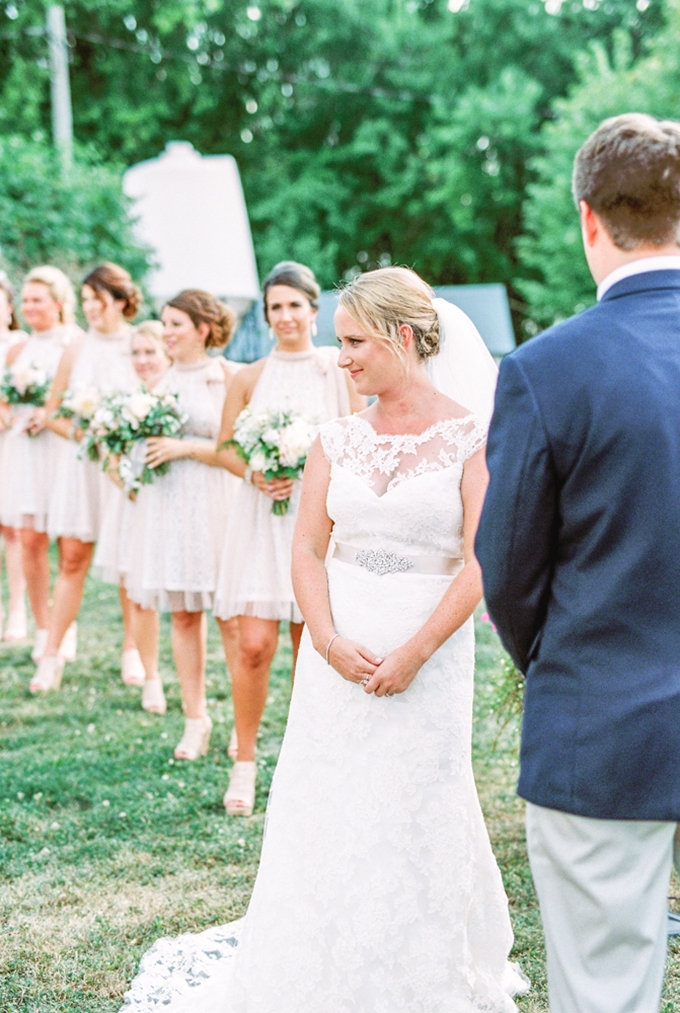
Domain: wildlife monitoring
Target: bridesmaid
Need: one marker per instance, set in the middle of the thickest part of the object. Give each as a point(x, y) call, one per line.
point(151, 362)
point(254, 582)
point(10, 335)
point(29, 451)
point(99, 361)
point(179, 519)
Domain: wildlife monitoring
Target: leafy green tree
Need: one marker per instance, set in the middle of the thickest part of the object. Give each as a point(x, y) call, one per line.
point(395, 130)
point(557, 281)
point(69, 217)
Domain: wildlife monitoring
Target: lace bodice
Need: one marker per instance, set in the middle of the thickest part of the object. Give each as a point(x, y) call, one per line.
point(104, 363)
point(200, 389)
point(399, 492)
point(309, 383)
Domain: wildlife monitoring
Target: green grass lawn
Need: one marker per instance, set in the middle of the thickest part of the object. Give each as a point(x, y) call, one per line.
point(107, 842)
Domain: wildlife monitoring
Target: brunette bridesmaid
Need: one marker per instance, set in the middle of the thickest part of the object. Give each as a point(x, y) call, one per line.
point(179, 519)
point(255, 583)
point(99, 362)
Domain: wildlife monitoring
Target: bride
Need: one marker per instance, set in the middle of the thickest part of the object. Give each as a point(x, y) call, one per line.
point(377, 890)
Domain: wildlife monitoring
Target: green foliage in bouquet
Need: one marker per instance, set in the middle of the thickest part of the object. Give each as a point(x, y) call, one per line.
point(24, 385)
point(121, 424)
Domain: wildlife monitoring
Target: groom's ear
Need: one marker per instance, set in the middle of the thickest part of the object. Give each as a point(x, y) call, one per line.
point(591, 225)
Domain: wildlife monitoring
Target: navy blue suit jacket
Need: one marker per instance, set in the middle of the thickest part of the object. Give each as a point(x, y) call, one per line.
point(579, 544)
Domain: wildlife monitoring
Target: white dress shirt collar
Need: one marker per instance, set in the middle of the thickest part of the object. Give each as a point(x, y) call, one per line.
point(668, 263)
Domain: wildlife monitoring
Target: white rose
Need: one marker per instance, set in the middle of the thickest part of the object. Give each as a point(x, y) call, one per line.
point(85, 402)
point(271, 437)
point(258, 462)
point(21, 378)
point(139, 405)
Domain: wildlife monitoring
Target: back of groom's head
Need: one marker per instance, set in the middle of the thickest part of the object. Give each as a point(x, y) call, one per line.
point(628, 172)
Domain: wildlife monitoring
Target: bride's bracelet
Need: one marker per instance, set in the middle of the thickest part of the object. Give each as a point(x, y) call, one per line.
point(329, 646)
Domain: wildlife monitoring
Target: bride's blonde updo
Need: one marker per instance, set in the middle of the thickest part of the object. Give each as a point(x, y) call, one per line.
point(381, 301)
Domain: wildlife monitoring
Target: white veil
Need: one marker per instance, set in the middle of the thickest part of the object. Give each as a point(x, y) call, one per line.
point(463, 369)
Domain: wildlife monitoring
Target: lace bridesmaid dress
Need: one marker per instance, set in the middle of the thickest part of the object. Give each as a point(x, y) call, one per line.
point(29, 462)
point(254, 578)
point(81, 489)
point(377, 891)
point(171, 551)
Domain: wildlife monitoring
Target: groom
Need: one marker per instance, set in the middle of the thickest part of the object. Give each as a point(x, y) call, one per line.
point(579, 544)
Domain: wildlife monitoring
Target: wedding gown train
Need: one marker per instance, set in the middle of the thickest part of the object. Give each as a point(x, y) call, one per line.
point(377, 891)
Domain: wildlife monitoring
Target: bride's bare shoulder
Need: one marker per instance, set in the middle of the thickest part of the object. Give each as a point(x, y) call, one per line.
point(449, 409)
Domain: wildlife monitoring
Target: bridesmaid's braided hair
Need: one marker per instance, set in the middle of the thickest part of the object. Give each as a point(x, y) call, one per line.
point(204, 308)
point(289, 272)
point(382, 301)
point(117, 282)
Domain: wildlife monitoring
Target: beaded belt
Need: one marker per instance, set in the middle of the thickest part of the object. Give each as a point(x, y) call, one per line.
point(381, 561)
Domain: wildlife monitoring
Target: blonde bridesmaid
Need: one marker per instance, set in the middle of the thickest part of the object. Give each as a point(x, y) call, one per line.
point(30, 451)
point(111, 560)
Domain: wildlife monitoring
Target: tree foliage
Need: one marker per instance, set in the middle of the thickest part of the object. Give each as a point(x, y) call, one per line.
point(395, 130)
point(557, 281)
point(69, 217)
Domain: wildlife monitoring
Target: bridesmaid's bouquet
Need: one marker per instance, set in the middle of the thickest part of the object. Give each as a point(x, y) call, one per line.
point(24, 385)
point(79, 406)
point(275, 443)
point(121, 425)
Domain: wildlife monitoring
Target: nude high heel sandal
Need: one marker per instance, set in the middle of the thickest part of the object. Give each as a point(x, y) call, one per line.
point(239, 798)
point(68, 648)
point(39, 645)
point(16, 627)
point(132, 669)
point(153, 697)
point(48, 675)
point(196, 739)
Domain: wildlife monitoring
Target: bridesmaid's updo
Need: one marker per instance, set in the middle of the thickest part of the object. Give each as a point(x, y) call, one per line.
point(59, 287)
point(289, 272)
point(117, 282)
point(6, 287)
point(204, 308)
point(381, 301)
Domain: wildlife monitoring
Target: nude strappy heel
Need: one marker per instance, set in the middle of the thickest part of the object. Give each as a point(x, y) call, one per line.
point(131, 668)
point(153, 697)
point(239, 798)
point(68, 648)
point(48, 675)
point(196, 739)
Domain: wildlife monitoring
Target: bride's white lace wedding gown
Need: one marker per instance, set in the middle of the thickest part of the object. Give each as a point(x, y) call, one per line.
point(377, 891)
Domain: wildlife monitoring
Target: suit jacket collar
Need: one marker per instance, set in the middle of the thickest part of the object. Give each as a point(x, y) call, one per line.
point(646, 282)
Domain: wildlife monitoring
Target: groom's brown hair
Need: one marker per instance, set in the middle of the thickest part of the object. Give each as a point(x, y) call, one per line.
point(628, 172)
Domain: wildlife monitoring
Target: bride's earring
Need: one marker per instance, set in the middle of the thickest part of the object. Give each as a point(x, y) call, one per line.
point(272, 336)
point(313, 329)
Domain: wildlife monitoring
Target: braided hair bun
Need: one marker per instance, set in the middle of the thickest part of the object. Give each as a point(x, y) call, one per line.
point(204, 308)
